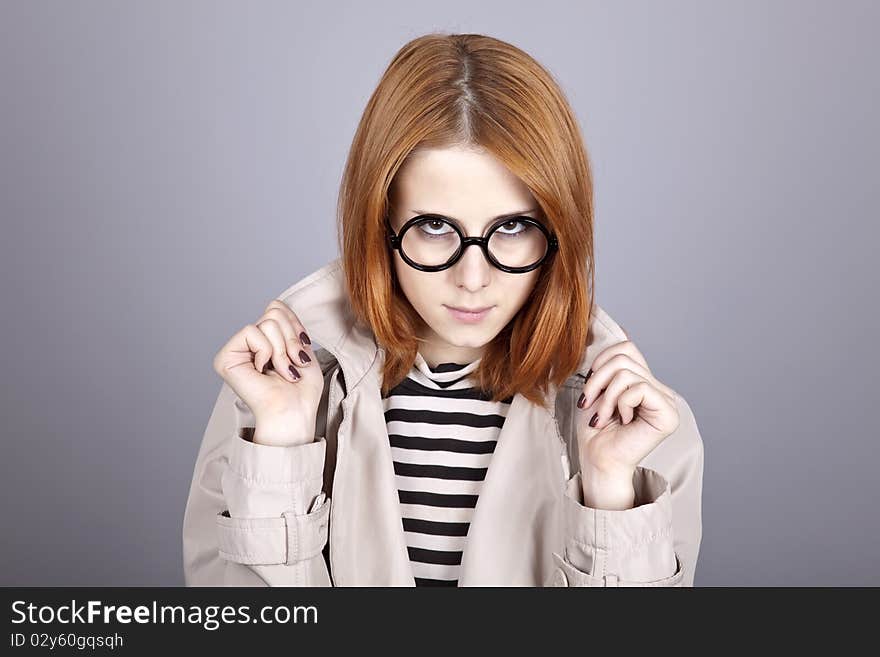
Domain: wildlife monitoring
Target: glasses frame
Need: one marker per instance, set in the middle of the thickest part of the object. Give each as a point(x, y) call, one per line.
point(395, 241)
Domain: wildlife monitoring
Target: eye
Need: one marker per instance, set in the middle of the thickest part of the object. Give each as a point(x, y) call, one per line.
point(429, 226)
point(507, 227)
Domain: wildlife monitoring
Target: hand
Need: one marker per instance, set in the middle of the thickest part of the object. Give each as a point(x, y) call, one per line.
point(271, 366)
point(635, 413)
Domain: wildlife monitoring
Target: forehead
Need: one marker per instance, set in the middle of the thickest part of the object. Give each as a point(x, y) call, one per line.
point(469, 185)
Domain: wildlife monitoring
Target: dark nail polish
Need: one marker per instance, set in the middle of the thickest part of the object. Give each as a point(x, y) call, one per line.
point(294, 372)
point(304, 338)
point(304, 357)
point(581, 400)
point(594, 420)
point(589, 374)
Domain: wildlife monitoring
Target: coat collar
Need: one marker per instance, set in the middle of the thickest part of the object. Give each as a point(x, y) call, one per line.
point(320, 301)
point(516, 524)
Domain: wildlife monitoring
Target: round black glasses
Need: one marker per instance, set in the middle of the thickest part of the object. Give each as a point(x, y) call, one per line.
point(431, 242)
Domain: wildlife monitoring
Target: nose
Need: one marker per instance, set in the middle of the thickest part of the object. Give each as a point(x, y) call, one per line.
point(473, 269)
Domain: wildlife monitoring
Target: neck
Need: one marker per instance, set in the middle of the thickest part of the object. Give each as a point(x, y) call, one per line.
point(436, 351)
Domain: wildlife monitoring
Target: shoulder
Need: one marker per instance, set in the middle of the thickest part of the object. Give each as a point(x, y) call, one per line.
point(601, 319)
point(321, 303)
point(327, 280)
point(604, 332)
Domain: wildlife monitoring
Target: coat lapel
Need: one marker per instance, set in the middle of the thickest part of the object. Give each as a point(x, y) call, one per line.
point(517, 523)
point(368, 543)
point(515, 520)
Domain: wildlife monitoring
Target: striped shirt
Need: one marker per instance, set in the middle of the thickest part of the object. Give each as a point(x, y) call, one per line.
point(442, 429)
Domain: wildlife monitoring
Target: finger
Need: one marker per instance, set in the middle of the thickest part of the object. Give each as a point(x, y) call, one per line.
point(298, 328)
point(278, 304)
point(626, 347)
point(280, 361)
point(297, 351)
point(627, 404)
point(257, 344)
point(599, 378)
point(652, 406)
point(609, 401)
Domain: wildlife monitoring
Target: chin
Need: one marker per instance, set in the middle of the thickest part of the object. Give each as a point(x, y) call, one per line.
point(476, 336)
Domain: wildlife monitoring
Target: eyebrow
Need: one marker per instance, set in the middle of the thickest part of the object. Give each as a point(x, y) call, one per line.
point(509, 215)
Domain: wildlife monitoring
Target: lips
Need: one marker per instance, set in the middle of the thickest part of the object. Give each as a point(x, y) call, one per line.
point(470, 310)
point(468, 316)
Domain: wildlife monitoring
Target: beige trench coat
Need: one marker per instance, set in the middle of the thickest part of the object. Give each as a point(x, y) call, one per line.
point(327, 513)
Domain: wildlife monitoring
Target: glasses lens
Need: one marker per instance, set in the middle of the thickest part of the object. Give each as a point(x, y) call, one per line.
point(430, 242)
point(433, 242)
point(518, 244)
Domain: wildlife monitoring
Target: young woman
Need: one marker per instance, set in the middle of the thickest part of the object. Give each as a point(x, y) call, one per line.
point(472, 416)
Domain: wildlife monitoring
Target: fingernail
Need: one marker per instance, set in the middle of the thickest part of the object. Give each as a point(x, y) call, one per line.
point(594, 419)
point(304, 357)
point(304, 338)
point(294, 372)
point(589, 374)
point(581, 400)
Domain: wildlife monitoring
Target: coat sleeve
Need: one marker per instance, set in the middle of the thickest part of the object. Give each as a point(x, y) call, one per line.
point(257, 515)
point(656, 542)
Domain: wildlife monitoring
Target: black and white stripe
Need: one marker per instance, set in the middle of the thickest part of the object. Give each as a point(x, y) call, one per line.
point(442, 430)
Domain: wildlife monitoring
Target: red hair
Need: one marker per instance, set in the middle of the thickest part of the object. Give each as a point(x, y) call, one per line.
point(443, 90)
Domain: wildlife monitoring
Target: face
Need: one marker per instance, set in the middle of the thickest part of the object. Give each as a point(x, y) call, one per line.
point(472, 187)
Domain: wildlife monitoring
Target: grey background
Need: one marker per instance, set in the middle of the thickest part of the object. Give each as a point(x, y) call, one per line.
point(167, 168)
